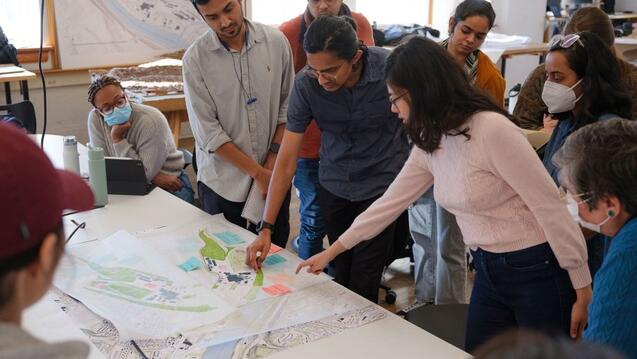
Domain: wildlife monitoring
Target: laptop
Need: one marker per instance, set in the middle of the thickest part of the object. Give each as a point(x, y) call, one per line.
point(126, 176)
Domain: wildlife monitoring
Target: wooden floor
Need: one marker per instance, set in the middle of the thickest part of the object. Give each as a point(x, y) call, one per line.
point(398, 276)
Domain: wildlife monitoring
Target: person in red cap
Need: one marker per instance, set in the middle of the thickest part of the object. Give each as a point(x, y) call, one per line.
point(33, 195)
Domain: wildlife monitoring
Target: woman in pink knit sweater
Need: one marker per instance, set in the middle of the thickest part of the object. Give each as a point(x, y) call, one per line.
point(530, 255)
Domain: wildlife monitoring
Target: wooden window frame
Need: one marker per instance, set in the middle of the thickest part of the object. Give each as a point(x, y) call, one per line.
point(49, 50)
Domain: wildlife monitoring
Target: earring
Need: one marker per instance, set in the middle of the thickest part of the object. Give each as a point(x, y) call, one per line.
point(611, 213)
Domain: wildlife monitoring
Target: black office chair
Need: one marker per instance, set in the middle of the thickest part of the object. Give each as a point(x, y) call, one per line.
point(23, 113)
point(401, 248)
point(446, 321)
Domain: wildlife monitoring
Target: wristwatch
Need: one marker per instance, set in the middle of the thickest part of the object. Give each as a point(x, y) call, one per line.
point(263, 225)
point(274, 147)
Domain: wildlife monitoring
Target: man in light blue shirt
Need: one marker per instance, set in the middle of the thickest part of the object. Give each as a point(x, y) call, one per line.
point(237, 78)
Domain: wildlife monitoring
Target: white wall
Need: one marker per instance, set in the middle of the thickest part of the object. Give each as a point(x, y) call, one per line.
point(520, 17)
point(626, 5)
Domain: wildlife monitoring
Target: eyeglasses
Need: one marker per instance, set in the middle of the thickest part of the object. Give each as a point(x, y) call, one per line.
point(329, 75)
point(565, 41)
point(108, 109)
point(564, 194)
point(393, 100)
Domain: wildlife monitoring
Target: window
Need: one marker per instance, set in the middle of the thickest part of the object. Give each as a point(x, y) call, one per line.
point(20, 21)
point(406, 12)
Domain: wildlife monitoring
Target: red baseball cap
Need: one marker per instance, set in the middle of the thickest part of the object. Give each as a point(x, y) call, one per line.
point(33, 193)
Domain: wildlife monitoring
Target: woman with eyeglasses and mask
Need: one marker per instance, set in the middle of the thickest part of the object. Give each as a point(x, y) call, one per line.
point(363, 146)
point(598, 170)
point(529, 255)
point(530, 112)
point(126, 129)
point(583, 86)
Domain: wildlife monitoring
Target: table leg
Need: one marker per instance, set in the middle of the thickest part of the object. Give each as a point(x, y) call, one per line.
point(24, 88)
point(503, 66)
point(7, 93)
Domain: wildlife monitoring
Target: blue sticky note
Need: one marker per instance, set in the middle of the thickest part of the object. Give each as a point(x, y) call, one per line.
point(273, 259)
point(191, 264)
point(229, 238)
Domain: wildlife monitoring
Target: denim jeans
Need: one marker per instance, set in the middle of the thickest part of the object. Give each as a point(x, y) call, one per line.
point(525, 288)
point(185, 192)
point(312, 229)
point(213, 203)
point(440, 261)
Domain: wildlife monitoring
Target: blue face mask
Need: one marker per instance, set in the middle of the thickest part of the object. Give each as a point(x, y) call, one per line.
point(119, 115)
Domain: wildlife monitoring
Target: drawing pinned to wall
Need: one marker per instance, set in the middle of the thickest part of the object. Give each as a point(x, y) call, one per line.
point(121, 32)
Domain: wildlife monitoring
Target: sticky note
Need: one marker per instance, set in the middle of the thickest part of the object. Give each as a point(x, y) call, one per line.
point(191, 264)
point(274, 248)
point(273, 259)
point(229, 238)
point(276, 289)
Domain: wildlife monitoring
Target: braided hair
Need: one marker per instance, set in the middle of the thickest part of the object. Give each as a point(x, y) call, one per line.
point(98, 82)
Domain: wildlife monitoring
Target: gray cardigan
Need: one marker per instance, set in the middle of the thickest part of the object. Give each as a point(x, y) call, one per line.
point(149, 139)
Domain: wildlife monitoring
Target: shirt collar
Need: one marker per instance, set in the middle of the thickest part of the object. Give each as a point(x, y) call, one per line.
point(373, 68)
point(625, 237)
point(255, 35)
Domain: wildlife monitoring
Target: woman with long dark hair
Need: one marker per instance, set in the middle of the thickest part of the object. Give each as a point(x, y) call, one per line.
point(529, 253)
point(583, 86)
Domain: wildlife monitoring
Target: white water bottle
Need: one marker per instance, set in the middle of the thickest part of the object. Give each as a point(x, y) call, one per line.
point(70, 155)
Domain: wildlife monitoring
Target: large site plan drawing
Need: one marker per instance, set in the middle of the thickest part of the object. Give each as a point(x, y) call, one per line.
point(223, 254)
point(185, 292)
point(116, 32)
point(129, 283)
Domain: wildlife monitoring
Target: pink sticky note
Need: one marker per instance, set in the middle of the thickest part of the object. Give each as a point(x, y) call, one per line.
point(276, 289)
point(274, 248)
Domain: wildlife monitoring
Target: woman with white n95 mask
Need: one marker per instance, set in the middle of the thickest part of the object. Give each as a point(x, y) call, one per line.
point(582, 87)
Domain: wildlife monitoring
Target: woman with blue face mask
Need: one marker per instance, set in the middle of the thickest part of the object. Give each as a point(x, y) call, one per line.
point(598, 172)
point(582, 87)
point(125, 129)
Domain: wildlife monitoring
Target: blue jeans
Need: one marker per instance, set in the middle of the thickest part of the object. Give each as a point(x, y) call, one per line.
point(312, 229)
point(185, 192)
point(525, 288)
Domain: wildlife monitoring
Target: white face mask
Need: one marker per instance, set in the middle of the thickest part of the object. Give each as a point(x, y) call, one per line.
point(559, 98)
point(573, 209)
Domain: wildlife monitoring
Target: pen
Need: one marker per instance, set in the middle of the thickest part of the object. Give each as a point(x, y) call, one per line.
point(139, 349)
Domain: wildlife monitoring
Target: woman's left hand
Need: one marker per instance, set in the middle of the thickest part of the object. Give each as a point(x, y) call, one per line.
point(579, 313)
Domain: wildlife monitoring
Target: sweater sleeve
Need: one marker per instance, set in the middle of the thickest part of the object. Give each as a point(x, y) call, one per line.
point(529, 109)
point(96, 131)
point(413, 180)
point(150, 146)
point(511, 157)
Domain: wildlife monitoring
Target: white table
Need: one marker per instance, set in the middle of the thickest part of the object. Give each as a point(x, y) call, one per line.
point(391, 337)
